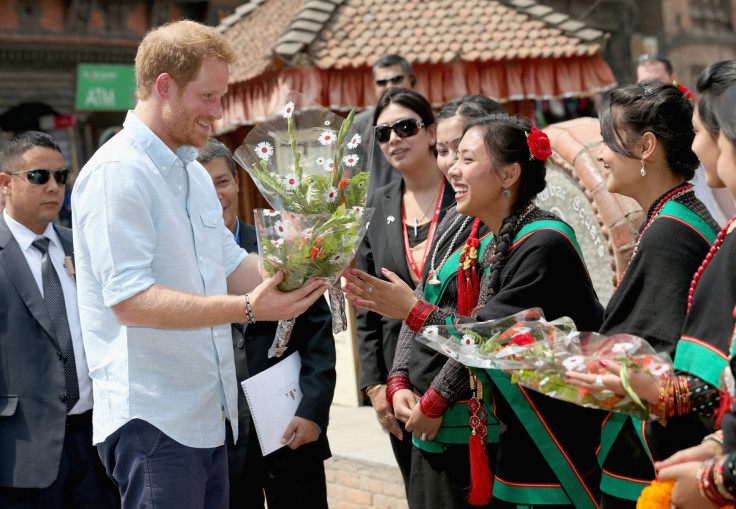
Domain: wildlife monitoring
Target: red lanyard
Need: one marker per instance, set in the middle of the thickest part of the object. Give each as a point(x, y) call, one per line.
point(430, 235)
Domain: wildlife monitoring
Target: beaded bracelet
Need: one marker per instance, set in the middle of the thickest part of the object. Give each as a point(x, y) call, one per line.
point(248, 311)
point(711, 482)
point(433, 404)
point(716, 436)
point(394, 384)
point(418, 314)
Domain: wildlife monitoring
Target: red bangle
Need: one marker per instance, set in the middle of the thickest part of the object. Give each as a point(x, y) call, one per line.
point(418, 314)
point(433, 404)
point(394, 384)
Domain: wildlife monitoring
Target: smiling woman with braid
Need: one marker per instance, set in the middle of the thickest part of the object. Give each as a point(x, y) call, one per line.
point(546, 452)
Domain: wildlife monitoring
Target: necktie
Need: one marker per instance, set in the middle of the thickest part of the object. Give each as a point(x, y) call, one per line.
point(53, 296)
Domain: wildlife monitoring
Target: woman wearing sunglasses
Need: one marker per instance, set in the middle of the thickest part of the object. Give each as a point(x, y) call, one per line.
point(546, 449)
point(401, 234)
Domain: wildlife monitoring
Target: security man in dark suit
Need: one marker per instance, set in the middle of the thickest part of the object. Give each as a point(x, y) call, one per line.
point(293, 476)
point(46, 455)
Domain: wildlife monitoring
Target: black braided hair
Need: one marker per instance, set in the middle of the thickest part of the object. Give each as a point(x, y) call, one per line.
point(504, 137)
point(655, 107)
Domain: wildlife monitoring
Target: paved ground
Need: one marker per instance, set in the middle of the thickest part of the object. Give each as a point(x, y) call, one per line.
point(362, 473)
point(355, 433)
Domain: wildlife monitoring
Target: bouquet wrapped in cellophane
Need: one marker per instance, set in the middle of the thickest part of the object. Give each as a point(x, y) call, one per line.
point(538, 353)
point(582, 352)
point(503, 343)
point(313, 169)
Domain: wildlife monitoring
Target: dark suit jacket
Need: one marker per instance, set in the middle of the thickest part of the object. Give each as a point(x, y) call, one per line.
point(383, 246)
point(32, 418)
point(312, 338)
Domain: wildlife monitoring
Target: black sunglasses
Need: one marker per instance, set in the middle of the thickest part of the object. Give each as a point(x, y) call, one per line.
point(404, 128)
point(652, 56)
point(39, 176)
point(394, 80)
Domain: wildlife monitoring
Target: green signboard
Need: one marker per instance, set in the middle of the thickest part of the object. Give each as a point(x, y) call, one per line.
point(105, 87)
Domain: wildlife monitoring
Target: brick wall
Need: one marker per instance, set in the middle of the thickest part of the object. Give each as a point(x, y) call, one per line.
point(355, 484)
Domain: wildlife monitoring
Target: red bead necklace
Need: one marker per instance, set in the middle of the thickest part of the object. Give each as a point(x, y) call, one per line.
point(715, 247)
point(675, 193)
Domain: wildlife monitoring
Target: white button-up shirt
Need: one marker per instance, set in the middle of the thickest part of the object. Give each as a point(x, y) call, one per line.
point(143, 214)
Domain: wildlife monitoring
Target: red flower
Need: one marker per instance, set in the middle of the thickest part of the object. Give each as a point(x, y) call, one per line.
point(343, 183)
point(522, 339)
point(685, 91)
point(538, 143)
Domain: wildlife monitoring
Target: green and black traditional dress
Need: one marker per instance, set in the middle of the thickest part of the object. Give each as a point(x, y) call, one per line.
point(440, 474)
point(558, 466)
point(651, 302)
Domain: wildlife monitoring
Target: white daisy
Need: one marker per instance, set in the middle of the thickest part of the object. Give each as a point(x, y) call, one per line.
point(361, 184)
point(327, 137)
point(354, 141)
point(468, 340)
point(320, 161)
point(277, 242)
point(358, 210)
point(431, 331)
point(291, 181)
point(287, 110)
point(264, 150)
point(270, 213)
point(273, 258)
point(280, 229)
point(350, 160)
point(329, 165)
point(330, 195)
point(307, 232)
point(338, 258)
point(573, 362)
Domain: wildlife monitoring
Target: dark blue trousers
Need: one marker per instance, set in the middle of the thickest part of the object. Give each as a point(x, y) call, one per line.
point(152, 470)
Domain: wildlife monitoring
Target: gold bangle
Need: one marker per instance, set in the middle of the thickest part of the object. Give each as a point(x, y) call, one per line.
point(372, 388)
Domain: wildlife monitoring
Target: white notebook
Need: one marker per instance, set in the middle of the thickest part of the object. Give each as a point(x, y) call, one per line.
point(273, 396)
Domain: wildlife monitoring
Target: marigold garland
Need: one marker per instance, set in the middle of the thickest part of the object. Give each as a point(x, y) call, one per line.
point(658, 496)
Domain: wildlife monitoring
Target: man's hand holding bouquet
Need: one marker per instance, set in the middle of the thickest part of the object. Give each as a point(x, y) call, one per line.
point(312, 168)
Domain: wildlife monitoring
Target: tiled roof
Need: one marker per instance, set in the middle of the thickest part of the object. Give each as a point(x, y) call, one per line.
point(253, 30)
point(442, 31)
point(325, 49)
point(342, 34)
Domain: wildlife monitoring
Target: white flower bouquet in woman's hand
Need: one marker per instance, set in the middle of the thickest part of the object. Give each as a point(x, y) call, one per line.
point(592, 355)
point(313, 169)
point(503, 343)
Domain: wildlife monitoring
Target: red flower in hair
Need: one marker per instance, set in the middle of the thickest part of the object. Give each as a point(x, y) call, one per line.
point(685, 91)
point(538, 143)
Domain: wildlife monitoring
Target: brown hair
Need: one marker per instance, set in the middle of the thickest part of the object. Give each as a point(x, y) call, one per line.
point(179, 49)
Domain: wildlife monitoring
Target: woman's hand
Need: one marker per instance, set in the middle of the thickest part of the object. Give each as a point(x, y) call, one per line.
point(392, 298)
point(686, 494)
point(385, 413)
point(404, 403)
point(422, 427)
point(646, 386)
point(701, 452)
